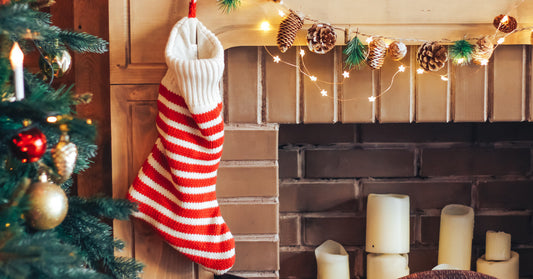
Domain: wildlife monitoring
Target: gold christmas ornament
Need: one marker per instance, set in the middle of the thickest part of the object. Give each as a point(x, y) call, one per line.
point(39, 4)
point(397, 50)
point(288, 29)
point(55, 66)
point(321, 38)
point(483, 50)
point(64, 155)
point(48, 202)
point(377, 49)
point(505, 23)
point(432, 56)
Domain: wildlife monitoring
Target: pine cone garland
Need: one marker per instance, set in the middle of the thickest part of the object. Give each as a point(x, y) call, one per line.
point(377, 49)
point(397, 50)
point(288, 29)
point(432, 56)
point(505, 23)
point(482, 51)
point(321, 38)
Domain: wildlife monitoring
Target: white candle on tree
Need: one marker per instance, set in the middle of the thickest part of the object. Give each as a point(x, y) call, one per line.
point(387, 224)
point(455, 237)
point(332, 261)
point(498, 246)
point(17, 58)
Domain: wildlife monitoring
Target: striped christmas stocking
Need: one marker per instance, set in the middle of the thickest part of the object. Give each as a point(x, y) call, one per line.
point(175, 188)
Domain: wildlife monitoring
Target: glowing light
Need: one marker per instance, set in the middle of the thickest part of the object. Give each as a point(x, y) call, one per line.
point(504, 20)
point(369, 39)
point(371, 99)
point(484, 62)
point(313, 78)
point(265, 26)
point(346, 74)
point(324, 92)
point(89, 121)
point(281, 13)
point(501, 40)
point(419, 71)
point(8, 225)
point(302, 52)
point(51, 119)
point(460, 60)
point(276, 59)
point(401, 68)
point(445, 78)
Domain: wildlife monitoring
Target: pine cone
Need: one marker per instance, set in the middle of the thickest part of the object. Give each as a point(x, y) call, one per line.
point(321, 38)
point(377, 49)
point(397, 50)
point(507, 26)
point(432, 56)
point(288, 29)
point(482, 50)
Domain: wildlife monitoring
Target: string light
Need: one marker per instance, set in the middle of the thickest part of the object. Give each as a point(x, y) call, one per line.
point(265, 26)
point(276, 59)
point(419, 71)
point(313, 78)
point(302, 52)
point(369, 39)
point(401, 68)
point(324, 92)
point(501, 40)
point(504, 20)
point(484, 62)
point(51, 119)
point(281, 13)
point(460, 60)
point(346, 74)
point(444, 78)
point(371, 99)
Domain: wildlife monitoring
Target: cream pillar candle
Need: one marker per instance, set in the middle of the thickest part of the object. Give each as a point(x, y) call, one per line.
point(387, 224)
point(386, 266)
point(455, 237)
point(498, 246)
point(17, 57)
point(500, 269)
point(332, 261)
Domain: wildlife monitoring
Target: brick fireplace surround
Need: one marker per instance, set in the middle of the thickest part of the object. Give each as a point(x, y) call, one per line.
point(286, 188)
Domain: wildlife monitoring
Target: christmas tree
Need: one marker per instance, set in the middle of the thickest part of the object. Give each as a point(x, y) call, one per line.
point(45, 232)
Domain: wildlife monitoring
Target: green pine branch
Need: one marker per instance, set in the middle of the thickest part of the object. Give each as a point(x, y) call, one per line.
point(355, 53)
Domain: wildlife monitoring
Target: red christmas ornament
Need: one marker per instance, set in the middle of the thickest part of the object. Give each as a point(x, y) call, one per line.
point(29, 145)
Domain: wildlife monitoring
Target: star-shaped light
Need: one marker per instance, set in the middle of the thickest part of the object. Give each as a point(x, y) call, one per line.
point(302, 52)
point(346, 74)
point(265, 26)
point(276, 59)
point(369, 39)
point(324, 92)
point(484, 62)
point(501, 40)
point(419, 71)
point(281, 13)
point(460, 61)
point(371, 99)
point(445, 78)
point(313, 78)
point(401, 68)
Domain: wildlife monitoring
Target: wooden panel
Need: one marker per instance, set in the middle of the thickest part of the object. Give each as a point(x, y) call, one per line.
point(509, 84)
point(470, 90)
point(317, 108)
point(280, 86)
point(431, 96)
point(395, 103)
point(241, 89)
point(354, 104)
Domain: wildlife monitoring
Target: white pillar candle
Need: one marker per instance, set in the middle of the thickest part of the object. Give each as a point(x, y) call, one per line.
point(455, 237)
point(387, 224)
point(386, 266)
point(498, 246)
point(500, 269)
point(332, 261)
point(17, 58)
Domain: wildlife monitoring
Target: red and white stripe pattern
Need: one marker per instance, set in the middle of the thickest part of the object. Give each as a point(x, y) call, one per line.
point(175, 188)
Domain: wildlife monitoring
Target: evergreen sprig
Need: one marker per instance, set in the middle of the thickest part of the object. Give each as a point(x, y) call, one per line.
point(355, 53)
point(228, 6)
point(461, 52)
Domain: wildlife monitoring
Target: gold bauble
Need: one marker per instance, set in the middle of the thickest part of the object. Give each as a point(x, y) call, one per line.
point(48, 205)
point(56, 66)
point(64, 155)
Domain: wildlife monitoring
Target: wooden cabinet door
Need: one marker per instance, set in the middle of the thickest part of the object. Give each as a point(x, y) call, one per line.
point(133, 113)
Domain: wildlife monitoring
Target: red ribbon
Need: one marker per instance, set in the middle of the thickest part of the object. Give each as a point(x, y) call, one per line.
point(192, 8)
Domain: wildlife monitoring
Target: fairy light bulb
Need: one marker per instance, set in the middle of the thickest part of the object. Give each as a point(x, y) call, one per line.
point(265, 26)
point(324, 92)
point(369, 39)
point(281, 13)
point(313, 78)
point(346, 74)
point(501, 40)
point(51, 119)
point(504, 20)
point(302, 52)
point(444, 78)
point(371, 99)
point(460, 60)
point(276, 59)
point(419, 71)
point(401, 68)
point(484, 62)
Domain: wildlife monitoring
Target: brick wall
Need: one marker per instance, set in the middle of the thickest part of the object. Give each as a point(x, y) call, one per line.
point(327, 171)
